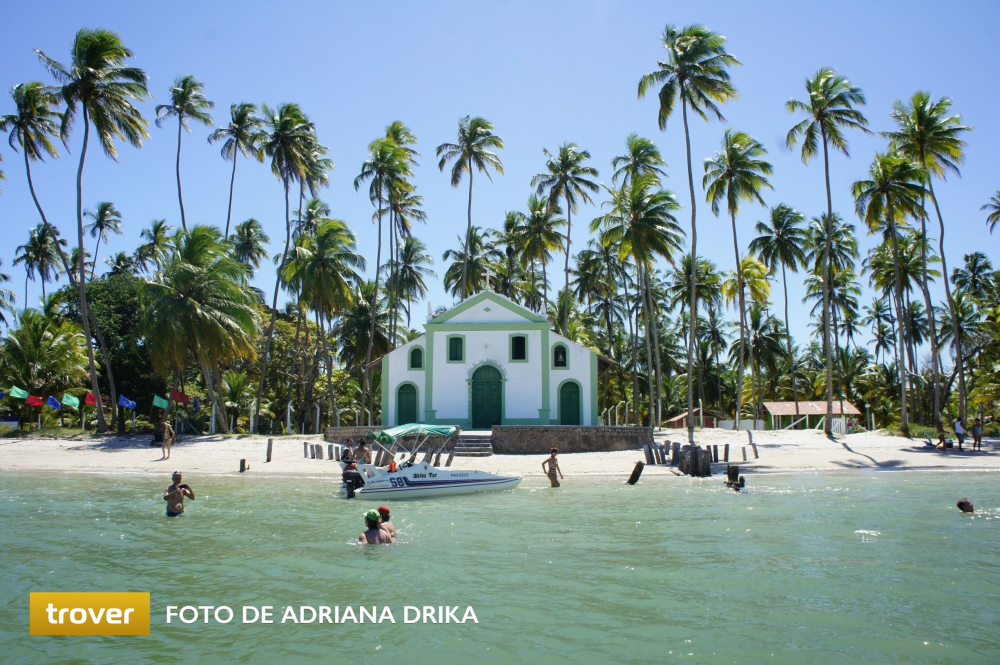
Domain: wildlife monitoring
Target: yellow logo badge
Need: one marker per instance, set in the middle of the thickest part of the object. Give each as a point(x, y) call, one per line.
point(89, 614)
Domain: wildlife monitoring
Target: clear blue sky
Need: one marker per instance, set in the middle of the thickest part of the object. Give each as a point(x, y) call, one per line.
point(543, 72)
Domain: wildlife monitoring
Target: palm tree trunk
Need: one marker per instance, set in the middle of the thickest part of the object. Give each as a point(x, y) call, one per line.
point(545, 291)
point(274, 311)
point(904, 425)
point(647, 328)
point(180, 197)
point(373, 314)
point(656, 351)
point(959, 360)
point(206, 373)
point(102, 425)
point(632, 339)
point(468, 236)
point(97, 249)
point(827, 276)
point(935, 353)
point(788, 340)
point(743, 336)
point(692, 333)
point(840, 363)
point(232, 183)
point(569, 230)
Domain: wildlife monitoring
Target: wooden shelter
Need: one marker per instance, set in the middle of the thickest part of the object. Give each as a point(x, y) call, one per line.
point(814, 410)
point(681, 421)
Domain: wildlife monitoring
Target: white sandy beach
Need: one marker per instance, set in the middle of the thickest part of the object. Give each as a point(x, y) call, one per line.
point(797, 451)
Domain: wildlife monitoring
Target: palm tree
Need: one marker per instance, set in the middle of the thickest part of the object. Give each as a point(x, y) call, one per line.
point(32, 127)
point(186, 101)
point(39, 255)
point(7, 297)
point(831, 110)
point(244, 134)
point(696, 72)
point(475, 137)
point(250, 243)
point(567, 177)
point(641, 224)
point(780, 242)
point(44, 354)
point(736, 174)
point(387, 166)
point(410, 270)
point(641, 156)
point(994, 209)
point(975, 277)
point(157, 242)
point(98, 84)
point(476, 264)
point(892, 191)
point(107, 220)
point(288, 142)
point(537, 236)
point(926, 134)
point(200, 306)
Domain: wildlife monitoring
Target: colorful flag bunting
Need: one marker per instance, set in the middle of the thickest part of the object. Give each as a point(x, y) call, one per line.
point(126, 402)
point(197, 405)
point(160, 402)
point(53, 403)
point(32, 400)
point(71, 401)
point(17, 393)
point(89, 400)
point(179, 397)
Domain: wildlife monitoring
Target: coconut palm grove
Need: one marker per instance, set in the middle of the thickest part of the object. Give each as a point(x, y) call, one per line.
point(607, 250)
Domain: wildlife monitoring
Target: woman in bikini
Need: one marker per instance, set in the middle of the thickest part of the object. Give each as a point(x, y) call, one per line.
point(553, 467)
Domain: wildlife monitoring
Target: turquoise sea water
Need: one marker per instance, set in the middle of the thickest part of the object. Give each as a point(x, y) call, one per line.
point(861, 568)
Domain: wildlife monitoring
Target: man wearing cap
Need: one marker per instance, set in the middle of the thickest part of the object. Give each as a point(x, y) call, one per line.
point(374, 535)
point(386, 525)
point(174, 495)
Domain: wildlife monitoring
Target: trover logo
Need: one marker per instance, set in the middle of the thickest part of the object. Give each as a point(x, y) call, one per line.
point(89, 614)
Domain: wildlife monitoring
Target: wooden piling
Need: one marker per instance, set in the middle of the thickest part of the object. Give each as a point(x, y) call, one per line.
point(451, 456)
point(755, 455)
point(270, 447)
point(675, 453)
point(744, 449)
point(244, 466)
point(337, 451)
point(305, 449)
point(657, 458)
point(329, 450)
point(437, 459)
point(636, 472)
point(715, 453)
point(726, 454)
point(647, 451)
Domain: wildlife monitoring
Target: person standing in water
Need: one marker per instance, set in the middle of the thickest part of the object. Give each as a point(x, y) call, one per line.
point(174, 495)
point(553, 472)
point(386, 525)
point(374, 535)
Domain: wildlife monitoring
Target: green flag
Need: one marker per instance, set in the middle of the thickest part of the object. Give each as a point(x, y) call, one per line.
point(69, 400)
point(160, 402)
point(17, 393)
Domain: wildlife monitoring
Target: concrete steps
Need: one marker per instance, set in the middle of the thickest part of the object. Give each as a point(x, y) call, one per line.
point(473, 446)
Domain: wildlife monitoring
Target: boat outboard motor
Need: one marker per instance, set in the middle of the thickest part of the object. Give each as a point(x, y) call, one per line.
point(353, 481)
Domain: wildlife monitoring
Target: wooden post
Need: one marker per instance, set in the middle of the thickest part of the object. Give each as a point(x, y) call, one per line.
point(676, 453)
point(636, 472)
point(329, 449)
point(305, 449)
point(715, 453)
point(337, 451)
point(437, 459)
point(312, 451)
point(726, 454)
point(270, 447)
point(755, 455)
point(244, 466)
point(648, 453)
point(451, 456)
point(744, 449)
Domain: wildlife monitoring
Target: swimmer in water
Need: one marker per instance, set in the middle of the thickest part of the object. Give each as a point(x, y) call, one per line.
point(386, 525)
point(553, 469)
point(374, 535)
point(965, 505)
point(174, 495)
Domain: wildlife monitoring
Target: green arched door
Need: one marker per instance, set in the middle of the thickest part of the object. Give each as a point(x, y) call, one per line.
point(406, 404)
point(569, 404)
point(487, 397)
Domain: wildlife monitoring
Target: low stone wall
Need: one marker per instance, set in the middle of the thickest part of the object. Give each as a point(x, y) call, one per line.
point(522, 440)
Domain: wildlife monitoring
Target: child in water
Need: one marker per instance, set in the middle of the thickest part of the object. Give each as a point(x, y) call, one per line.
point(553, 469)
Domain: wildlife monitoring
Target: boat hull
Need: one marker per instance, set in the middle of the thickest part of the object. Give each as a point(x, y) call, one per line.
point(441, 489)
point(423, 480)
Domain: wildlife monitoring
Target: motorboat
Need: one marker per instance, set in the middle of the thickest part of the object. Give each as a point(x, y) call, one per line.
point(410, 478)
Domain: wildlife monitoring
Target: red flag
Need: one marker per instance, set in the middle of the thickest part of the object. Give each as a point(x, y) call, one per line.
point(178, 396)
point(89, 399)
point(33, 401)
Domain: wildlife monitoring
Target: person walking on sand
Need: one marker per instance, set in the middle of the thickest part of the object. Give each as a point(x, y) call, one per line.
point(977, 435)
point(386, 525)
point(168, 437)
point(374, 535)
point(553, 468)
point(959, 432)
point(174, 495)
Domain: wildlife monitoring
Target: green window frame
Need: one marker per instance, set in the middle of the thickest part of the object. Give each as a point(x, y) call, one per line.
point(555, 353)
point(510, 357)
point(451, 345)
point(419, 365)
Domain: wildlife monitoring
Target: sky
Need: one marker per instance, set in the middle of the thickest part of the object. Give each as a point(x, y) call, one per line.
point(543, 72)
